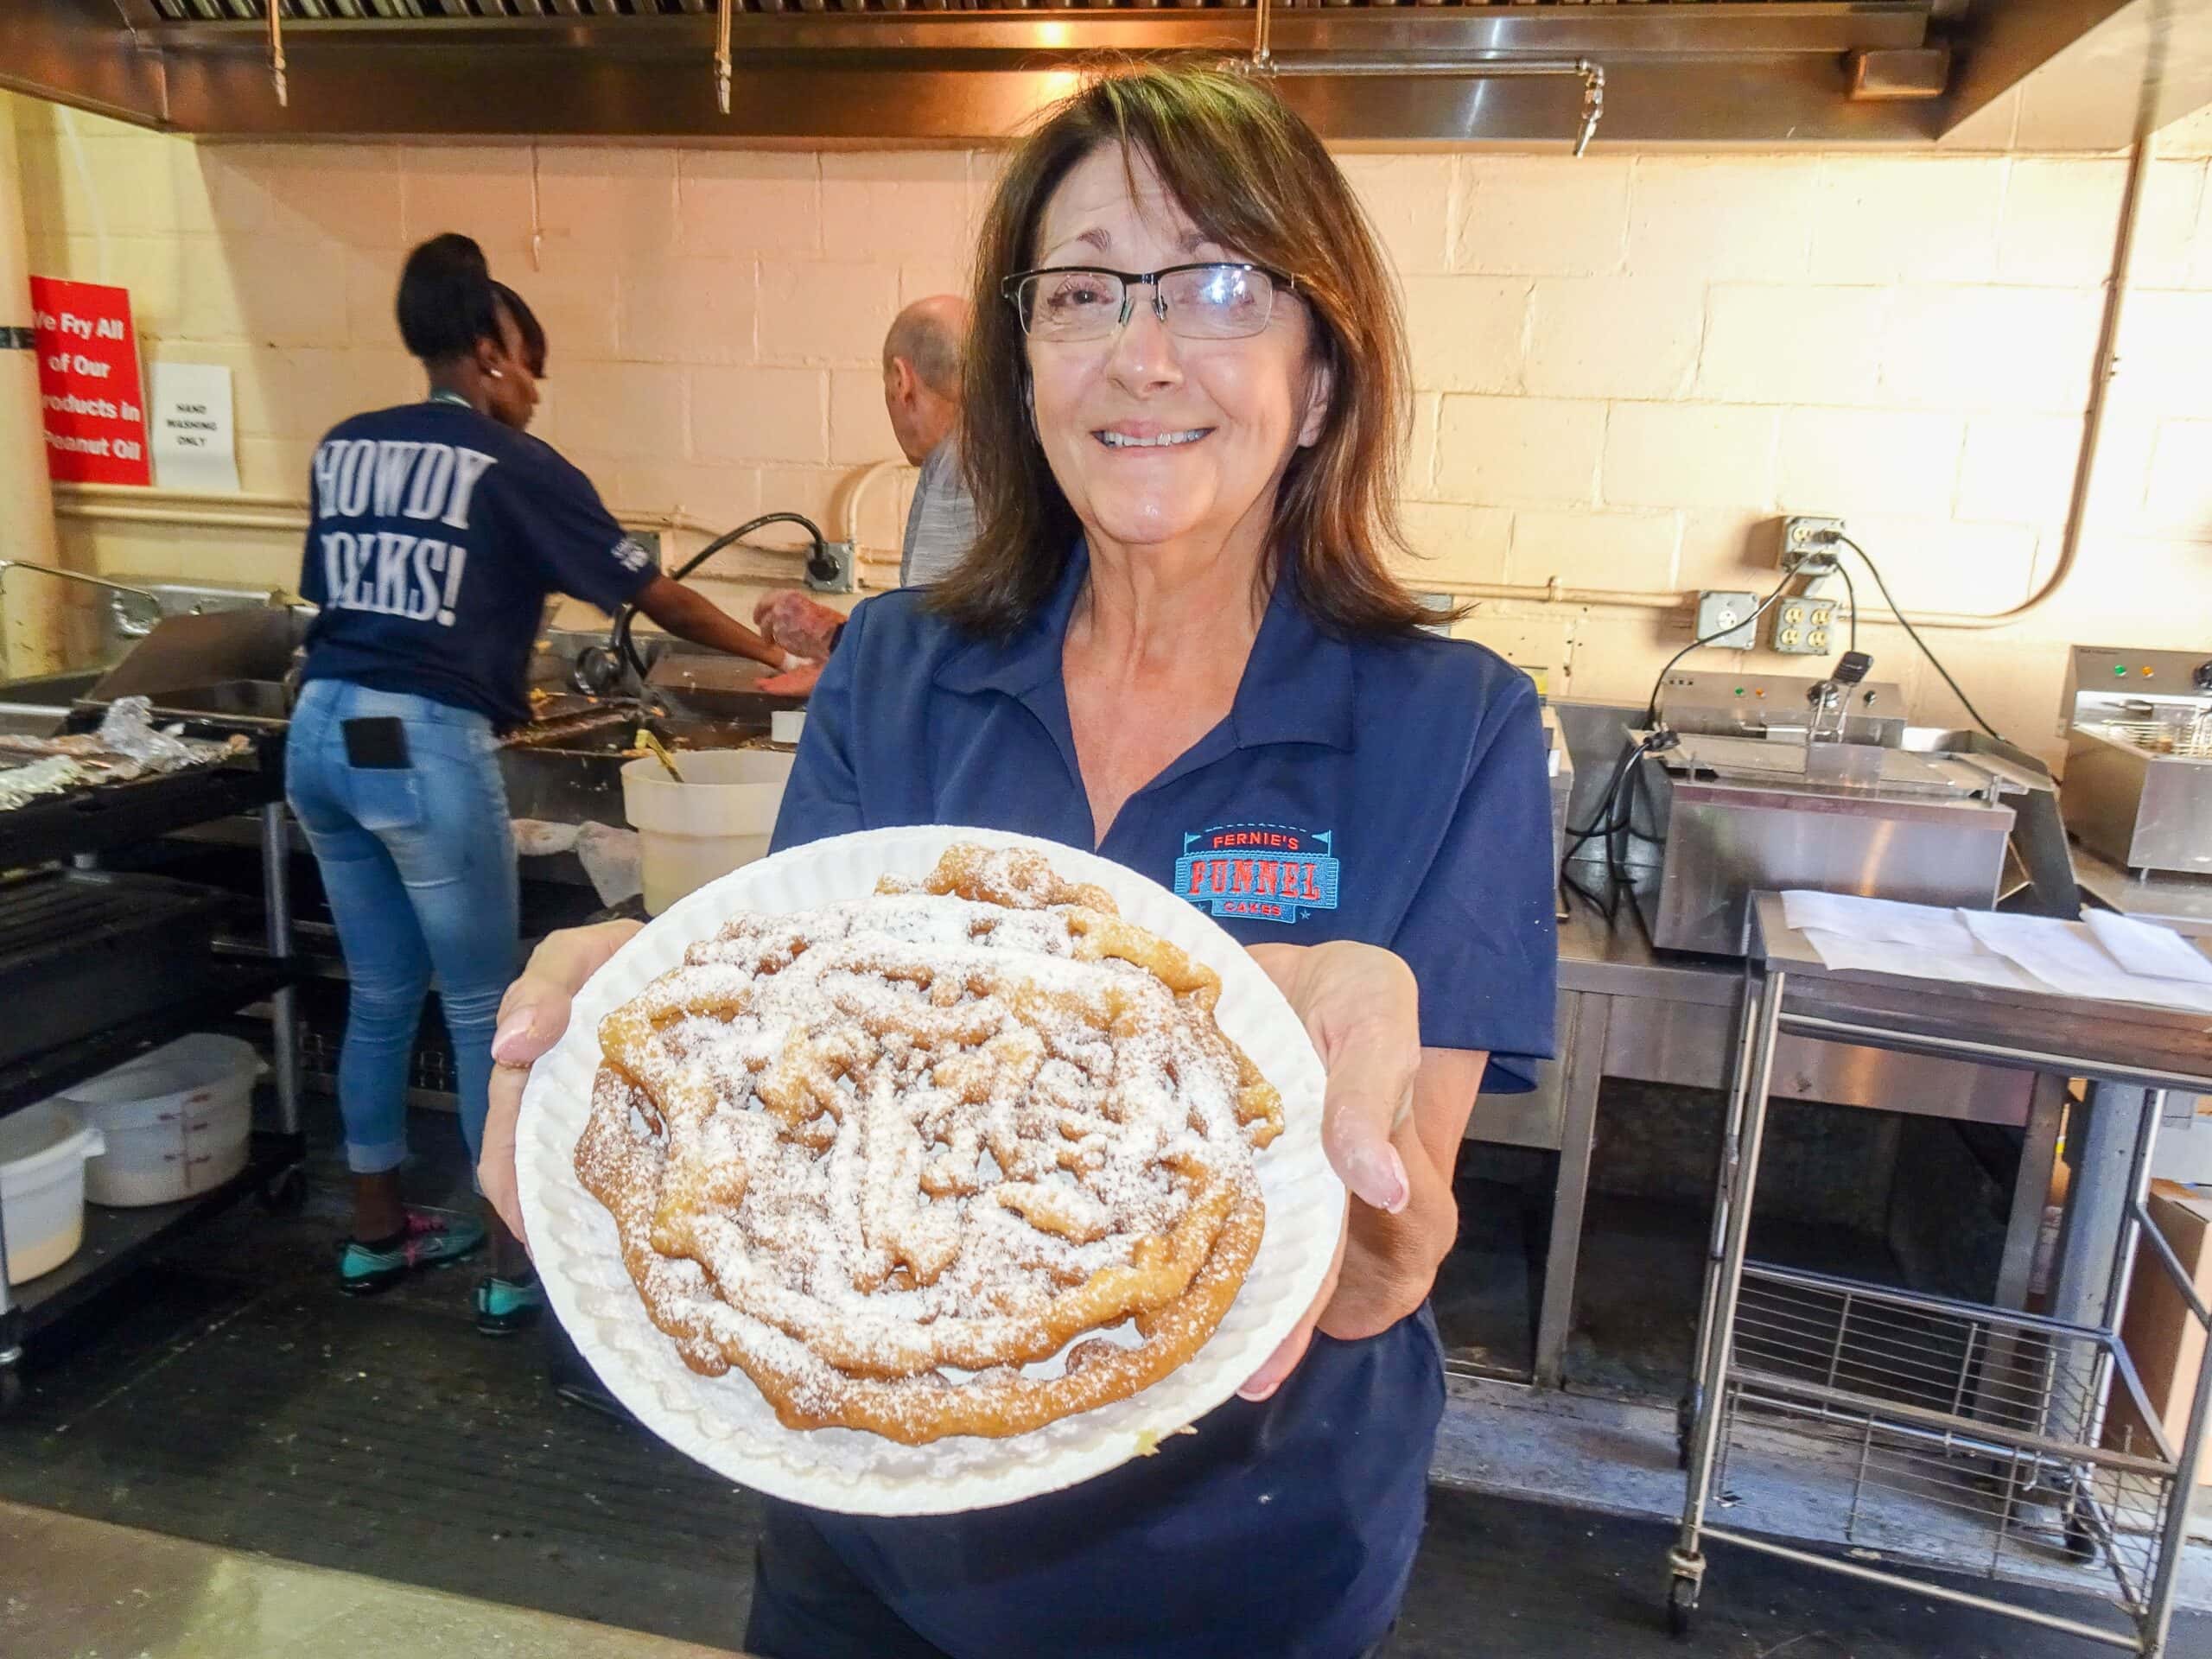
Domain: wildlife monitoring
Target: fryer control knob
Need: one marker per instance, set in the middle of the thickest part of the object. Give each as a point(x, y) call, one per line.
point(2201, 676)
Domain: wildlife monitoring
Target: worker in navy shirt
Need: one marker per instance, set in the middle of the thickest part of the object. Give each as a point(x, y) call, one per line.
point(1177, 641)
point(437, 530)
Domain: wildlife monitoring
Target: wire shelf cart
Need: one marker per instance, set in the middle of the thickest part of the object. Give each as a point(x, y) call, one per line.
point(177, 995)
point(1935, 1438)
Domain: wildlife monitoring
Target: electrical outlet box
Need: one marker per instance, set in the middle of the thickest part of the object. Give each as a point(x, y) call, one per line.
point(1803, 625)
point(1806, 548)
point(1725, 620)
point(837, 571)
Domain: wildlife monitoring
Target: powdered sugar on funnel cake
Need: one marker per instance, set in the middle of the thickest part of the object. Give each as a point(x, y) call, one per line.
point(960, 1158)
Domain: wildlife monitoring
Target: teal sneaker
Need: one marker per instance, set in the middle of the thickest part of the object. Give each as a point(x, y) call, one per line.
point(506, 1306)
point(433, 1239)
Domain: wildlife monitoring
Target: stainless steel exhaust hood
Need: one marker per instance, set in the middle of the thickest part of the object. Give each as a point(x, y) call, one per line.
point(955, 72)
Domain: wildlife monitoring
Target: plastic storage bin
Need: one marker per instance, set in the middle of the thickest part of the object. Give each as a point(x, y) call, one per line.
point(175, 1121)
point(43, 1153)
point(720, 817)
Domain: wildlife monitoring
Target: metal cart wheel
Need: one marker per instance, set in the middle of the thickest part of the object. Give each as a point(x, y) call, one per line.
point(286, 1192)
point(1681, 1607)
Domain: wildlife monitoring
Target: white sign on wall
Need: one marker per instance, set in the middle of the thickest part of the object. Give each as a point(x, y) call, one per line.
point(194, 437)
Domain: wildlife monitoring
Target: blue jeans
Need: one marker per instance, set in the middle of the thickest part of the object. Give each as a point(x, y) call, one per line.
point(418, 863)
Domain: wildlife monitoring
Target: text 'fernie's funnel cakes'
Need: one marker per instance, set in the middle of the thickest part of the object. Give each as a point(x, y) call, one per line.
point(883, 1155)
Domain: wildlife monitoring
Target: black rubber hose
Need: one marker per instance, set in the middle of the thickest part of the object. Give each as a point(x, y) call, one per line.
point(817, 563)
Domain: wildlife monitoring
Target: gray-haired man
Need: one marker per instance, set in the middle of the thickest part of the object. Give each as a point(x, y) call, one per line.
point(921, 394)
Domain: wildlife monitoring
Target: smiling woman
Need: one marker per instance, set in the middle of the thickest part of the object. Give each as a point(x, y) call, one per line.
point(1208, 167)
point(1178, 642)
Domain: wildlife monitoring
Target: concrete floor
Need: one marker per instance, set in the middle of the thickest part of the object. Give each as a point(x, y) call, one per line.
point(87, 1590)
point(230, 1397)
point(1618, 1458)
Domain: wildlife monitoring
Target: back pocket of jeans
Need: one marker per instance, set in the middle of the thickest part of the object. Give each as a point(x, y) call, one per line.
point(385, 799)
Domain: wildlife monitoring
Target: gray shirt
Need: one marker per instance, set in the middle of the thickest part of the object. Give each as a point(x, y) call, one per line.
point(941, 523)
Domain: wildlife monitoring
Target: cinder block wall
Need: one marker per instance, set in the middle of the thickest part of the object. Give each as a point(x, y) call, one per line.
point(1626, 366)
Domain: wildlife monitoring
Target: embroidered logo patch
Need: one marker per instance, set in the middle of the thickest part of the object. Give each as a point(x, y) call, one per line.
point(1265, 870)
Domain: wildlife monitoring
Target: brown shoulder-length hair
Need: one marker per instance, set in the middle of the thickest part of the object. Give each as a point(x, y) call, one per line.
point(1254, 178)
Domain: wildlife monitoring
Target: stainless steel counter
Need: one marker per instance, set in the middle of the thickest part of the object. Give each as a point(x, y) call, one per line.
point(2181, 902)
point(1626, 1011)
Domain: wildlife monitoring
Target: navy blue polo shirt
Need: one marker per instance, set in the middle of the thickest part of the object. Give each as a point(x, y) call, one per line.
point(1391, 791)
point(435, 536)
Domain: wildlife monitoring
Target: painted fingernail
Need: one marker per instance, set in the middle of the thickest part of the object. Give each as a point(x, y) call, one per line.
point(514, 1029)
point(1380, 1179)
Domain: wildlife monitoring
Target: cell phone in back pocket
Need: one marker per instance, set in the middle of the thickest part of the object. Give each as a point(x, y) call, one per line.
point(379, 743)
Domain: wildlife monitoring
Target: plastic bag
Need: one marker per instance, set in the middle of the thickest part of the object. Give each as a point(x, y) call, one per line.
point(613, 859)
point(128, 729)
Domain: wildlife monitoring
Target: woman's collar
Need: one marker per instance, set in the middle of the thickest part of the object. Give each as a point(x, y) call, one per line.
point(1297, 686)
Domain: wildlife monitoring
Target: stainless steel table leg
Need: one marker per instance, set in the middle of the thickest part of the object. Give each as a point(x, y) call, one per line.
point(283, 1018)
point(2030, 1188)
point(8, 1353)
point(2038, 1152)
point(2101, 1145)
point(1737, 1189)
point(1584, 1054)
point(11, 1351)
point(2107, 1145)
point(2113, 1304)
point(1731, 1130)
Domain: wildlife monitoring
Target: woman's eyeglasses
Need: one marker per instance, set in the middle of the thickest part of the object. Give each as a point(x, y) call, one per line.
point(1071, 304)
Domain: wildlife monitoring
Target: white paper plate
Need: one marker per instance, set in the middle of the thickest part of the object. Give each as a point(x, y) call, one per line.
point(724, 1422)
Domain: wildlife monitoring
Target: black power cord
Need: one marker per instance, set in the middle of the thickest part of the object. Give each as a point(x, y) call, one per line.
point(1850, 598)
point(1911, 632)
point(817, 561)
point(1602, 823)
point(1615, 816)
point(1651, 706)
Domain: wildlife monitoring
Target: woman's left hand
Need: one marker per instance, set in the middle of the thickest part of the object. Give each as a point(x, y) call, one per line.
point(1360, 1006)
point(791, 682)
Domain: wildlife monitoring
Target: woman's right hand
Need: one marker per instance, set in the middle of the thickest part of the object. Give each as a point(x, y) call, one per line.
point(791, 682)
point(532, 1015)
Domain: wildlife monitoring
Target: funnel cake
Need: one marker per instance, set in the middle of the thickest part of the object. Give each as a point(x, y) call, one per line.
point(964, 1157)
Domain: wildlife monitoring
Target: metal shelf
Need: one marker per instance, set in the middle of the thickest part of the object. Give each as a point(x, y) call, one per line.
point(217, 990)
point(1975, 1431)
point(114, 816)
point(115, 1238)
point(228, 985)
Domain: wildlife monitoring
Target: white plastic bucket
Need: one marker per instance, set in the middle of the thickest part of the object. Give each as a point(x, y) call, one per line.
point(177, 1120)
point(42, 1152)
point(720, 817)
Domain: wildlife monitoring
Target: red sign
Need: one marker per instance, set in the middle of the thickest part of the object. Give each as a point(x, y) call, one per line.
point(88, 383)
